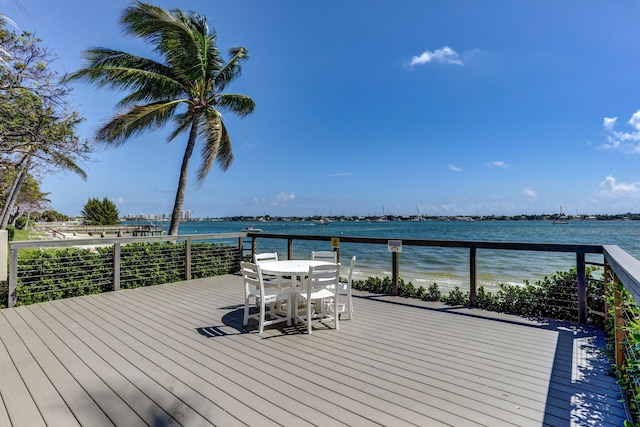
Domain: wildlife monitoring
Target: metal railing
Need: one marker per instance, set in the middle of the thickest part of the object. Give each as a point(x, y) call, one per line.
point(617, 260)
point(118, 262)
point(472, 246)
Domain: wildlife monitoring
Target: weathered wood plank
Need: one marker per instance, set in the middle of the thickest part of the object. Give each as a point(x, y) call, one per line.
point(242, 356)
point(36, 375)
point(19, 404)
point(115, 372)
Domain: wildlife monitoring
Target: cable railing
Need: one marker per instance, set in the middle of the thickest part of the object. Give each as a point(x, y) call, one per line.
point(473, 247)
point(52, 269)
point(113, 263)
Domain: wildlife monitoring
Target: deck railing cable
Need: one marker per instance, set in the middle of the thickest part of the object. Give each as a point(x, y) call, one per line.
point(53, 269)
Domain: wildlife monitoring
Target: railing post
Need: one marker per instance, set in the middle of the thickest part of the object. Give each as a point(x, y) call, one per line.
point(13, 278)
point(395, 273)
point(241, 247)
point(582, 287)
point(618, 322)
point(608, 288)
point(116, 266)
point(473, 275)
point(4, 254)
point(187, 259)
point(289, 248)
point(254, 246)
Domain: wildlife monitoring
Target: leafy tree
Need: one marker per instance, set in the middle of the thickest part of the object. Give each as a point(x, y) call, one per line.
point(37, 125)
point(98, 212)
point(53, 216)
point(185, 86)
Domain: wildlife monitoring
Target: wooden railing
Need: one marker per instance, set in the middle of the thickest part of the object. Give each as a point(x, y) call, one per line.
point(620, 267)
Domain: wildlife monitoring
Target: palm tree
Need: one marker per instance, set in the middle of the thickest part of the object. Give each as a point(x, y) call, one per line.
point(184, 86)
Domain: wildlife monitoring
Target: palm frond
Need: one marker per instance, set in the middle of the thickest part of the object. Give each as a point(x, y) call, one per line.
point(241, 105)
point(217, 145)
point(68, 163)
point(183, 40)
point(232, 69)
point(135, 121)
point(182, 122)
point(149, 80)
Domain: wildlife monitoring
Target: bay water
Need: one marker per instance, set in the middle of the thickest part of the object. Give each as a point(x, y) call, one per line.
point(448, 267)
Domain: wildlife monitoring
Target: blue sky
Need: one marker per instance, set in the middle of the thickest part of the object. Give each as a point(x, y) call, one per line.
point(446, 108)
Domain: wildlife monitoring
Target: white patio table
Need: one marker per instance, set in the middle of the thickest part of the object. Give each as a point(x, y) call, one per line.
point(296, 268)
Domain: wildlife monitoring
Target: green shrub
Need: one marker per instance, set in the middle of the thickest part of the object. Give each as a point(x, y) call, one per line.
point(432, 293)
point(456, 297)
point(64, 273)
point(628, 373)
point(21, 223)
point(11, 232)
point(552, 297)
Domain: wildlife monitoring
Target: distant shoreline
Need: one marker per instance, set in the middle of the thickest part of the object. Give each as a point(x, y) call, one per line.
point(380, 218)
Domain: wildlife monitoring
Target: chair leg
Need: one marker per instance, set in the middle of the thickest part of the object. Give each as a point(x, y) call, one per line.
point(336, 315)
point(245, 319)
point(309, 317)
point(262, 314)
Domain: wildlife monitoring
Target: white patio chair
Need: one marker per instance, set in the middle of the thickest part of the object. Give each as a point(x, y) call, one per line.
point(265, 257)
point(329, 256)
point(264, 297)
point(345, 302)
point(270, 279)
point(321, 285)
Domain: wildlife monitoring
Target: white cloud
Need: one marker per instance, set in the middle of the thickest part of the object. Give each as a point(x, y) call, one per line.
point(628, 142)
point(497, 164)
point(279, 199)
point(529, 193)
point(612, 188)
point(455, 168)
point(285, 197)
point(444, 55)
point(342, 174)
point(609, 122)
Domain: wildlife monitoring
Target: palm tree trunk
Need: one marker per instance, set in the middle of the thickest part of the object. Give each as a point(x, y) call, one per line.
point(184, 173)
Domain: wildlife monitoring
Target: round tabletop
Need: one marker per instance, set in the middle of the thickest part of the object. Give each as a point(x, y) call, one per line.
point(292, 267)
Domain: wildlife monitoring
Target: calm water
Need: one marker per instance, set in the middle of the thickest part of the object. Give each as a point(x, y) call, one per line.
point(447, 267)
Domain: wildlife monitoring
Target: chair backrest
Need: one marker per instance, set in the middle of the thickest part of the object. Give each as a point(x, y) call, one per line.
point(265, 257)
point(329, 256)
point(252, 277)
point(323, 277)
point(351, 268)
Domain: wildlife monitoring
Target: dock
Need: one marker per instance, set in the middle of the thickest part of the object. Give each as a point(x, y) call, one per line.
point(105, 230)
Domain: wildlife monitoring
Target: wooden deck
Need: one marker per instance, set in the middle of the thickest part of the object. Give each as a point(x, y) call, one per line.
point(176, 355)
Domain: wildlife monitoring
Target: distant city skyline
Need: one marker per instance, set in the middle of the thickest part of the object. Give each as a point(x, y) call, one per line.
point(186, 214)
point(449, 108)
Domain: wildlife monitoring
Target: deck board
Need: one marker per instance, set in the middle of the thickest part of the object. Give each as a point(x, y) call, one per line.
point(176, 354)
